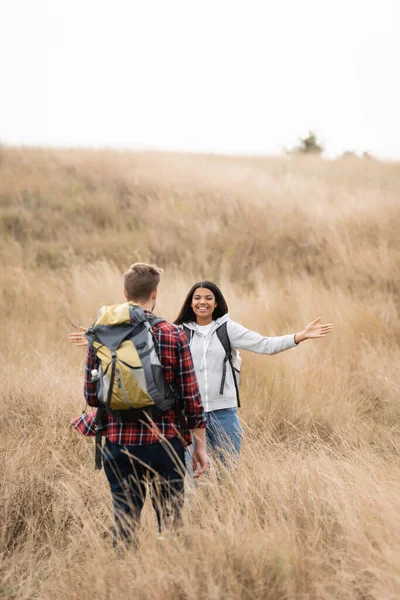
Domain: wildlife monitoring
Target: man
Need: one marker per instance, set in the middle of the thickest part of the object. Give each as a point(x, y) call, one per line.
point(142, 451)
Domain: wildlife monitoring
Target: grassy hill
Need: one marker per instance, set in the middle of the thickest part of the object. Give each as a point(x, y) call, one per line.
point(312, 510)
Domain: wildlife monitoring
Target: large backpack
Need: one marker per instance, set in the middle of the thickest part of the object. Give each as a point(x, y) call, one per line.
point(130, 378)
point(223, 337)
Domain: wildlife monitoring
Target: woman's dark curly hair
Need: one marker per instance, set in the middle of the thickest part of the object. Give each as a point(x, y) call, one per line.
point(186, 314)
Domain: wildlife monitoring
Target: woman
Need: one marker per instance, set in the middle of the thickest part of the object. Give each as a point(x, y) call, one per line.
point(203, 315)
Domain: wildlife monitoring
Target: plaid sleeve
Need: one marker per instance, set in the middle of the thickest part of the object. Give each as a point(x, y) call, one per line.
point(89, 388)
point(188, 386)
point(85, 424)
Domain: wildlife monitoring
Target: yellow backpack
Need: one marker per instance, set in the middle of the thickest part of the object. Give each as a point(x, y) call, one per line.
point(130, 378)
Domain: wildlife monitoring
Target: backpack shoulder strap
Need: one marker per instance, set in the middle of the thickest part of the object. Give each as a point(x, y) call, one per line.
point(136, 314)
point(173, 385)
point(222, 333)
point(155, 321)
point(188, 333)
point(152, 322)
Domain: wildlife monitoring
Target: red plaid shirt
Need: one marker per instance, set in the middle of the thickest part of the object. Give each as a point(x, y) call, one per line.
point(174, 354)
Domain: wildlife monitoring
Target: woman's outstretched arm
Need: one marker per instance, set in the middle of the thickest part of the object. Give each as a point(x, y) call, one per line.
point(245, 339)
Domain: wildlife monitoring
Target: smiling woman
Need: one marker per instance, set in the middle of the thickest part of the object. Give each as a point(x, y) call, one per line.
point(215, 340)
point(203, 305)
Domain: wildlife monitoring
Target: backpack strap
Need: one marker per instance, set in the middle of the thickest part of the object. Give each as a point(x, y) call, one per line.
point(99, 420)
point(152, 322)
point(189, 333)
point(155, 321)
point(222, 333)
point(173, 386)
point(101, 413)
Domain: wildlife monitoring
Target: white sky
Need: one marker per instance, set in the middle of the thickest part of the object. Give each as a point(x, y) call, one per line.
point(226, 76)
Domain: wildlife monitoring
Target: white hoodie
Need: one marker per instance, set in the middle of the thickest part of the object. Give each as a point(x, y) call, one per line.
point(208, 358)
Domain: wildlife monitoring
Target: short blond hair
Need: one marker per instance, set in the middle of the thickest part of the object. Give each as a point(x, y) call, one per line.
point(141, 280)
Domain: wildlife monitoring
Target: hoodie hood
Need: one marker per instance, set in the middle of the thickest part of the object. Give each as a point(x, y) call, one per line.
point(192, 324)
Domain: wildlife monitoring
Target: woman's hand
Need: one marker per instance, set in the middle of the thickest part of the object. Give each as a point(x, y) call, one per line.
point(313, 330)
point(78, 339)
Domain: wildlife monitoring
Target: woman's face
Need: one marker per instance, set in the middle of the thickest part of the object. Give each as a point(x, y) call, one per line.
point(203, 304)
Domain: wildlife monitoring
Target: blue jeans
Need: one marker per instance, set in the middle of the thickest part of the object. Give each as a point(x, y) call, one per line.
point(224, 433)
point(223, 436)
point(160, 464)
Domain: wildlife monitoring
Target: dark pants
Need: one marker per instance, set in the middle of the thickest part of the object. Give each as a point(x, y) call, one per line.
point(129, 470)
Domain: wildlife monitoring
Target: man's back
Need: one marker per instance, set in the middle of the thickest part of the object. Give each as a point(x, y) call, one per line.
point(175, 357)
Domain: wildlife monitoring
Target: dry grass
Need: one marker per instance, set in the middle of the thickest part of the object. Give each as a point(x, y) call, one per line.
point(312, 511)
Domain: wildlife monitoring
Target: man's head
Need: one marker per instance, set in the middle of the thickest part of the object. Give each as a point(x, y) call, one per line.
point(140, 284)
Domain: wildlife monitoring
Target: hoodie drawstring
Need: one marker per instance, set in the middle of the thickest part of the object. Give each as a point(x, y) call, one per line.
point(206, 343)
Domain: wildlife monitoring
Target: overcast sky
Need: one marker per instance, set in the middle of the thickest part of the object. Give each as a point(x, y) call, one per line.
point(225, 76)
